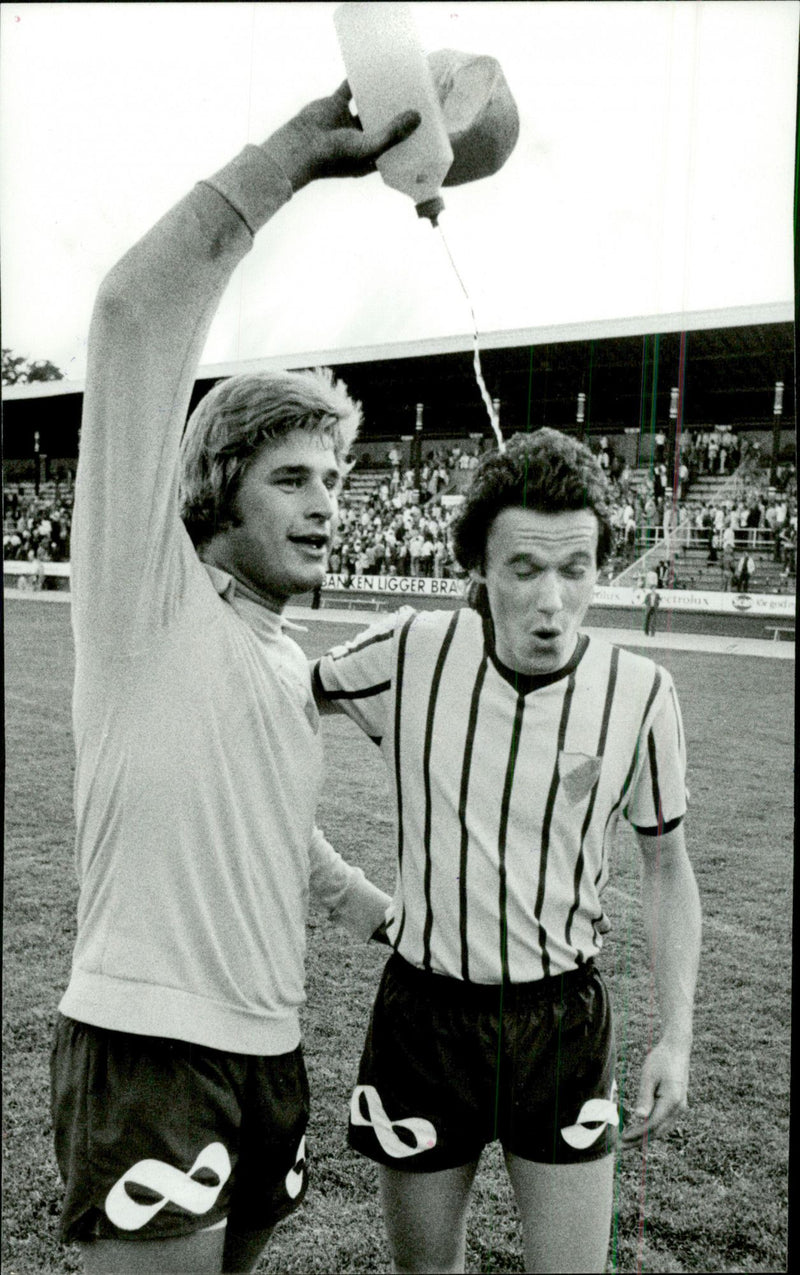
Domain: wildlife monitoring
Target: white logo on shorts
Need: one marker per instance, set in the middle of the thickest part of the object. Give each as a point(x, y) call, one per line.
point(421, 1130)
point(593, 1117)
point(294, 1178)
point(171, 1184)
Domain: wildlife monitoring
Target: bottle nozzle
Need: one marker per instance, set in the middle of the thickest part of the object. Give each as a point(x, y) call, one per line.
point(431, 208)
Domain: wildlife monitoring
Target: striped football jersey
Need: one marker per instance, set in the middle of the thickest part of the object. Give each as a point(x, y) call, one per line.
point(508, 787)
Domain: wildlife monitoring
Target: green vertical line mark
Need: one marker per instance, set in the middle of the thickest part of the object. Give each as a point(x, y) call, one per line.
point(642, 400)
point(558, 1064)
point(530, 393)
point(654, 402)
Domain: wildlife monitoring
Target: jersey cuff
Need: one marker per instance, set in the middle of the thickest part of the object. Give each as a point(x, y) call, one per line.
point(254, 185)
point(658, 831)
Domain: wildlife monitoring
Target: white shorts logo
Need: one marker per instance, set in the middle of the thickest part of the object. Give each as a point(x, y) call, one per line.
point(294, 1178)
point(171, 1184)
point(593, 1117)
point(421, 1130)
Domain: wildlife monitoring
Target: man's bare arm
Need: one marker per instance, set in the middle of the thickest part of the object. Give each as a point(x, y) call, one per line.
point(672, 920)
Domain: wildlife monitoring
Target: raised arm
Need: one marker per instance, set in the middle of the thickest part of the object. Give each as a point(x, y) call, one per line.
point(672, 920)
point(149, 326)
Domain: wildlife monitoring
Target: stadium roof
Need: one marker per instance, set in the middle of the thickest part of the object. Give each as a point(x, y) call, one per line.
point(729, 378)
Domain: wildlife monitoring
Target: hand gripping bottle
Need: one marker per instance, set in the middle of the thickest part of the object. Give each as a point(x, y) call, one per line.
point(388, 73)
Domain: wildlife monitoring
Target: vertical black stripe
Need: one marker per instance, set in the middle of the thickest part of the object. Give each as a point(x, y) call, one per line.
point(398, 702)
point(631, 769)
point(548, 816)
point(651, 697)
point(601, 748)
point(503, 830)
point(611, 816)
point(426, 779)
point(651, 754)
point(462, 814)
point(612, 686)
point(677, 712)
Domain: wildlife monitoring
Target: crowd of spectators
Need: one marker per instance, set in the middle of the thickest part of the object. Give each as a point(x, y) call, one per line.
point(36, 525)
point(402, 526)
point(747, 516)
point(404, 530)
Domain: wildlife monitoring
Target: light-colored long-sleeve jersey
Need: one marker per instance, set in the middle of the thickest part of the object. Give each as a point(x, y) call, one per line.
point(199, 761)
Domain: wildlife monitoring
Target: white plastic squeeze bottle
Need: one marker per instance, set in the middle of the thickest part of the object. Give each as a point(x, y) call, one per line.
point(388, 73)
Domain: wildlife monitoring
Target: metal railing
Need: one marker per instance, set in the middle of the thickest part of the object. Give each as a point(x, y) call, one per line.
point(653, 543)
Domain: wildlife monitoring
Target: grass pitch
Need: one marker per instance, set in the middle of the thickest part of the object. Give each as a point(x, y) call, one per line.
point(713, 1196)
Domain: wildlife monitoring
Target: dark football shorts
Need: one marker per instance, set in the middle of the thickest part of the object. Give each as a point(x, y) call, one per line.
point(449, 1066)
point(158, 1138)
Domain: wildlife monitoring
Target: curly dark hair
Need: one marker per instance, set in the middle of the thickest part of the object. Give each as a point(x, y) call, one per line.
point(545, 471)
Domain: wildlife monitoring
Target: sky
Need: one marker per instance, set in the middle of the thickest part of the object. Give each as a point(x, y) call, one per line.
point(651, 187)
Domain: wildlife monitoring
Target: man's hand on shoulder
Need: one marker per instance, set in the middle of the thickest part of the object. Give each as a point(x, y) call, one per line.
point(325, 140)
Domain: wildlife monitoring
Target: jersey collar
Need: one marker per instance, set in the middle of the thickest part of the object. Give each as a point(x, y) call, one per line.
point(524, 683)
point(265, 622)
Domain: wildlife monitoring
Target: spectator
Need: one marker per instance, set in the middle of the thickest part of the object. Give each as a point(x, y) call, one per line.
point(629, 526)
point(415, 550)
point(744, 572)
point(683, 480)
point(426, 556)
point(439, 553)
point(723, 453)
point(659, 482)
point(652, 602)
point(754, 516)
point(779, 522)
point(719, 515)
point(728, 547)
point(684, 530)
point(713, 451)
point(788, 537)
point(660, 442)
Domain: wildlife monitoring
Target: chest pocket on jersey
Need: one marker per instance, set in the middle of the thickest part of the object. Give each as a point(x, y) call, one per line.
point(578, 774)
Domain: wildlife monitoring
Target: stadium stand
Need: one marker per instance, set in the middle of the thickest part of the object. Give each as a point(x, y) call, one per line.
point(395, 518)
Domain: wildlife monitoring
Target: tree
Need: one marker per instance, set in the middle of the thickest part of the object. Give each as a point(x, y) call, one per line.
point(19, 370)
point(13, 367)
point(44, 370)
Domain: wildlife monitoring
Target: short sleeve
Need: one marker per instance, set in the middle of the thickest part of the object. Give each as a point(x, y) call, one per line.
point(659, 796)
point(359, 674)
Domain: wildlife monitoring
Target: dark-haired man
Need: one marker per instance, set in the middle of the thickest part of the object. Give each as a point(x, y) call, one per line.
point(513, 744)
